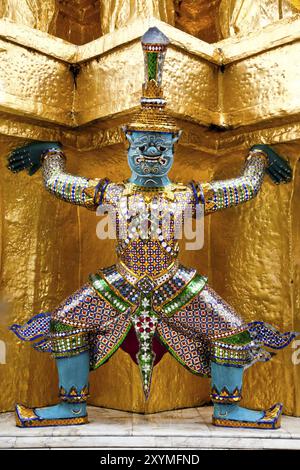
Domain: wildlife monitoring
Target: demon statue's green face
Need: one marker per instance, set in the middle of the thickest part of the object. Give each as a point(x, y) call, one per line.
point(150, 157)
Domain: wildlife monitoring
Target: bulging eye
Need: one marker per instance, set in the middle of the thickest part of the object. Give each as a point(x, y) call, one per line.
point(142, 148)
point(161, 148)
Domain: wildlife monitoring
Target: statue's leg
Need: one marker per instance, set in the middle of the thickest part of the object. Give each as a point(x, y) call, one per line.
point(229, 357)
point(70, 347)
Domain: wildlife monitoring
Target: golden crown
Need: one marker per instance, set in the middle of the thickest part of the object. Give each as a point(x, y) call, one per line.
point(152, 115)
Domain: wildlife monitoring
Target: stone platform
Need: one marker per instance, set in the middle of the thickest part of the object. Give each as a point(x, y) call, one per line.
point(182, 429)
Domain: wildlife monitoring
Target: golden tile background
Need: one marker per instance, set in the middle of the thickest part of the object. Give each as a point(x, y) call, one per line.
point(81, 21)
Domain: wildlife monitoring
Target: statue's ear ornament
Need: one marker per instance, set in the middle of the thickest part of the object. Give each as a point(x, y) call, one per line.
point(128, 134)
point(152, 115)
point(176, 136)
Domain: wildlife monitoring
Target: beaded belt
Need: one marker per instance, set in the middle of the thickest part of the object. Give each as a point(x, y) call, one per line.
point(174, 288)
point(157, 281)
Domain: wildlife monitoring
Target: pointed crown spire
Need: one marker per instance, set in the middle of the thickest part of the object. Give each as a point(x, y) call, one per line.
point(152, 115)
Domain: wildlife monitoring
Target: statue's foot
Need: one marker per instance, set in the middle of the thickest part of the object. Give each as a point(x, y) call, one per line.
point(64, 414)
point(236, 416)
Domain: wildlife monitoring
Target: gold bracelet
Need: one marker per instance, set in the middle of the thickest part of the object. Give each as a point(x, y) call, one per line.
point(52, 153)
point(257, 152)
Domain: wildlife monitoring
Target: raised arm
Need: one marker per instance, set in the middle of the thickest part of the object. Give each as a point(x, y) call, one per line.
point(218, 195)
point(49, 155)
point(74, 189)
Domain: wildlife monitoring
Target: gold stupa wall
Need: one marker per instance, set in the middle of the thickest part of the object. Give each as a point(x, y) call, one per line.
point(71, 71)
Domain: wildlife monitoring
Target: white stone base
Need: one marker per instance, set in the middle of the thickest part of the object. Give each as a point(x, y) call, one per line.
point(182, 429)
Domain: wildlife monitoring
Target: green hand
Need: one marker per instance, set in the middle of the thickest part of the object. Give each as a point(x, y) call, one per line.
point(278, 169)
point(29, 156)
